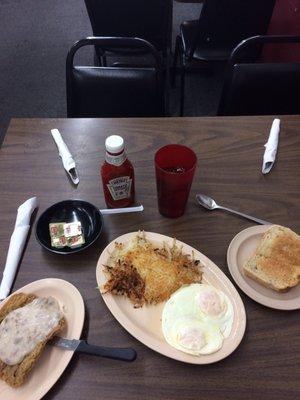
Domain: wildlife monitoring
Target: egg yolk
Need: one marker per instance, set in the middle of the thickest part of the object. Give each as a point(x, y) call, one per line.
point(191, 338)
point(210, 303)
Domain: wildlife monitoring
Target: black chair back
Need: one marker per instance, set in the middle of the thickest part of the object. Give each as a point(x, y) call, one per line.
point(225, 23)
point(114, 92)
point(150, 20)
point(260, 88)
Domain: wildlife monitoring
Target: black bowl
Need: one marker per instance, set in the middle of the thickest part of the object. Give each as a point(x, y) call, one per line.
point(70, 211)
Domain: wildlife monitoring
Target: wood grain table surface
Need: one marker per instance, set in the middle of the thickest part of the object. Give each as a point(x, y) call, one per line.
point(266, 365)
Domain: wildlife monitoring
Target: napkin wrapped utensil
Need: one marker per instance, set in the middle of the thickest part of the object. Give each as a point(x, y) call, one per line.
point(66, 156)
point(271, 147)
point(16, 245)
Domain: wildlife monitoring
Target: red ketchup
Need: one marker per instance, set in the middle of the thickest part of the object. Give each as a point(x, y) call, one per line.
point(117, 174)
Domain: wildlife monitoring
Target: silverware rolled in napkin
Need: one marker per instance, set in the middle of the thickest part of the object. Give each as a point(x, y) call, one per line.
point(271, 147)
point(81, 346)
point(16, 245)
point(66, 156)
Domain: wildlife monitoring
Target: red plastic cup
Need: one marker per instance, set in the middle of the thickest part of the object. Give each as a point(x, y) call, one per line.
point(174, 166)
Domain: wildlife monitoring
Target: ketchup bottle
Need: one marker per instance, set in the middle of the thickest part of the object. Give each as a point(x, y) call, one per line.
point(117, 174)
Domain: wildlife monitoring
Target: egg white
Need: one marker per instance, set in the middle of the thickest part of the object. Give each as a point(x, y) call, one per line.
point(224, 319)
point(197, 318)
point(193, 336)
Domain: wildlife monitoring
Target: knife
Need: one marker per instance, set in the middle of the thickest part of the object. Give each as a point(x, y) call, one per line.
point(81, 346)
point(66, 156)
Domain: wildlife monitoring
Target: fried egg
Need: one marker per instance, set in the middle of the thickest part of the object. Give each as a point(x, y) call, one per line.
point(214, 307)
point(197, 318)
point(192, 336)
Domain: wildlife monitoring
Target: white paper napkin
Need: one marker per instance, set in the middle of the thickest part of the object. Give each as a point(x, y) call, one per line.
point(271, 147)
point(16, 245)
point(66, 156)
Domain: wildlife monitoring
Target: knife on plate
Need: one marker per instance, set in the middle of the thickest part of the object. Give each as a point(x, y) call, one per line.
point(81, 346)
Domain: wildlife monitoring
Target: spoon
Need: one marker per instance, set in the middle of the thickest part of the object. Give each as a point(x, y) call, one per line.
point(210, 204)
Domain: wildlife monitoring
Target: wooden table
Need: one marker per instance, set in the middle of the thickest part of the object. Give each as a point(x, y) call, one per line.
point(266, 364)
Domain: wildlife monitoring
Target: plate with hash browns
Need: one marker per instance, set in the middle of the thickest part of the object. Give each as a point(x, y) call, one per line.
point(138, 272)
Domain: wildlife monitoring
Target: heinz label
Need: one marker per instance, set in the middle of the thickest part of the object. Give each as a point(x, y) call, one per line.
point(115, 160)
point(120, 187)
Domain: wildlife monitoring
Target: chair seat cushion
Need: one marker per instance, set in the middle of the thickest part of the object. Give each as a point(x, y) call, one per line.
point(111, 92)
point(263, 89)
point(205, 50)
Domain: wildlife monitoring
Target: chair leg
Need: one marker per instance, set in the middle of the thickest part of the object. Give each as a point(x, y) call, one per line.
point(167, 84)
point(182, 88)
point(97, 60)
point(100, 59)
point(176, 54)
point(182, 77)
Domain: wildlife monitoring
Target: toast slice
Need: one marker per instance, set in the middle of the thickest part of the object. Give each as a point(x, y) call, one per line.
point(276, 261)
point(15, 375)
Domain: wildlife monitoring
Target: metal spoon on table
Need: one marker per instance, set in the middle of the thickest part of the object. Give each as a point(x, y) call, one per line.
point(210, 204)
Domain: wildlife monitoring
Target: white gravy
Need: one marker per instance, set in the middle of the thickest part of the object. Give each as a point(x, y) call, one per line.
point(22, 329)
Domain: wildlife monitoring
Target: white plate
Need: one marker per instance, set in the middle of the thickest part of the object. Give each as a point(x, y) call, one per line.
point(53, 360)
point(241, 248)
point(145, 323)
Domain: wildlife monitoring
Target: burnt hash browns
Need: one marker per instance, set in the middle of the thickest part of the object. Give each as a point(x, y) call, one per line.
point(147, 274)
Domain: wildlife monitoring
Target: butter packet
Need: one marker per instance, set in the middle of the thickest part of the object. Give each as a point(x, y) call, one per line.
point(66, 234)
point(76, 241)
point(72, 229)
point(58, 242)
point(56, 229)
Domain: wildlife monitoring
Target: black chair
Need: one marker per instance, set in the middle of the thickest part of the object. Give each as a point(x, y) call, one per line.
point(150, 20)
point(112, 91)
point(221, 26)
point(260, 88)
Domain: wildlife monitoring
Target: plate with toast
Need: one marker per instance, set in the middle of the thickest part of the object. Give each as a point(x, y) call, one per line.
point(34, 314)
point(264, 261)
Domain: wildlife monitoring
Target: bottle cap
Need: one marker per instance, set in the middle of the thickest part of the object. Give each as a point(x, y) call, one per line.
point(114, 144)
